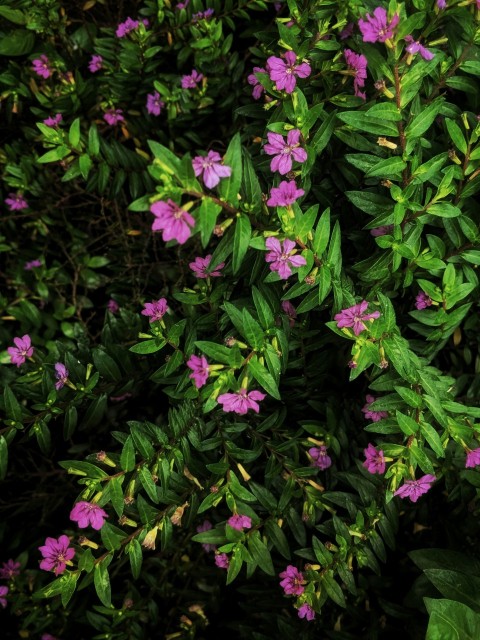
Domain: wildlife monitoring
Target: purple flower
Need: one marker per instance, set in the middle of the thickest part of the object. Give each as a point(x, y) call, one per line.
point(422, 301)
point(240, 522)
point(212, 168)
point(241, 401)
point(9, 570)
point(414, 47)
point(155, 310)
point(347, 31)
point(283, 152)
point(374, 416)
point(292, 582)
point(61, 374)
point(376, 28)
point(154, 104)
point(382, 231)
point(48, 636)
point(320, 457)
point(306, 611)
point(32, 264)
point(205, 15)
point(284, 72)
point(200, 268)
point(172, 220)
point(42, 67)
point(442, 4)
point(413, 489)
point(375, 461)
point(182, 5)
point(113, 306)
point(21, 351)
point(281, 257)
point(199, 366)
point(124, 28)
point(3, 593)
point(53, 122)
point(289, 311)
point(285, 194)
point(56, 554)
point(358, 64)
point(95, 64)
point(113, 116)
point(221, 560)
point(473, 458)
point(258, 87)
point(85, 513)
point(16, 202)
point(191, 81)
point(206, 526)
point(355, 317)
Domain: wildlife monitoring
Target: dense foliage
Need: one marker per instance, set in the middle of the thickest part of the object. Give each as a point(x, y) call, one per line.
point(239, 319)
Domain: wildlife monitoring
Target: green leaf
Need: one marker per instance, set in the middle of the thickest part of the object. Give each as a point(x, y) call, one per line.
point(12, 407)
point(112, 537)
point(333, 589)
point(263, 309)
point(456, 135)
point(148, 346)
point(323, 133)
point(141, 440)
point(334, 255)
point(135, 556)
point(93, 141)
point(74, 133)
point(148, 484)
point(406, 424)
point(263, 377)
point(18, 42)
point(241, 240)
point(252, 331)
point(106, 365)
point(305, 222)
point(228, 188)
point(322, 233)
point(433, 439)
point(165, 159)
point(455, 585)
point(101, 580)
point(207, 217)
point(264, 496)
point(363, 122)
point(220, 353)
point(278, 538)
point(127, 457)
point(13, 15)
point(410, 397)
point(116, 494)
point(251, 190)
point(85, 468)
point(443, 210)
point(260, 553)
point(236, 561)
point(424, 119)
point(421, 458)
point(54, 155)
point(3, 457)
point(451, 620)
point(387, 168)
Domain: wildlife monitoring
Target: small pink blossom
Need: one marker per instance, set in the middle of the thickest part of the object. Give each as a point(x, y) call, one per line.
point(282, 257)
point(95, 64)
point(113, 116)
point(9, 570)
point(155, 310)
point(174, 222)
point(292, 582)
point(3, 593)
point(182, 5)
point(199, 367)
point(285, 194)
point(124, 28)
point(240, 522)
point(413, 47)
point(442, 4)
point(320, 457)
point(203, 15)
point(206, 526)
point(53, 122)
point(258, 88)
point(413, 489)
point(113, 306)
point(191, 81)
point(358, 64)
point(200, 268)
point(241, 401)
point(284, 152)
point(222, 561)
point(32, 264)
point(375, 460)
point(422, 301)
point(21, 351)
point(154, 104)
point(211, 168)
point(87, 513)
point(290, 311)
point(56, 554)
point(376, 28)
point(355, 317)
point(306, 611)
point(473, 458)
point(374, 416)
point(384, 230)
point(285, 72)
point(41, 66)
point(61, 374)
point(16, 202)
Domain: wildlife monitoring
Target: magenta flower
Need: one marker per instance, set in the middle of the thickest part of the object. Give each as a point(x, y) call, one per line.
point(41, 66)
point(374, 416)
point(3, 593)
point(258, 87)
point(375, 461)
point(56, 554)
point(48, 636)
point(292, 582)
point(422, 301)
point(95, 64)
point(281, 257)
point(285, 194)
point(182, 5)
point(124, 28)
point(222, 561)
point(32, 264)
point(442, 4)
point(285, 72)
point(206, 526)
point(284, 152)
point(241, 401)
point(154, 104)
point(413, 489)
point(473, 458)
point(290, 311)
point(358, 64)
point(172, 220)
point(212, 168)
point(355, 317)
point(376, 28)
point(200, 268)
point(53, 122)
point(382, 231)
point(113, 116)
point(9, 570)
point(199, 366)
point(21, 351)
point(191, 81)
point(61, 374)
point(155, 310)
point(240, 522)
point(306, 611)
point(85, 513)
point(113, 306)
point(202, 15)
point(413, 47)
point(320, 457)
point(16, 202)
point(347, 31)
